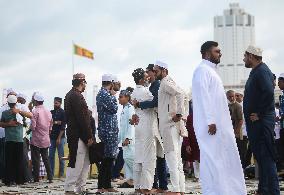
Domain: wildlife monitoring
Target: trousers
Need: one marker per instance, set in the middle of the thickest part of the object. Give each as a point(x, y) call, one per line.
point(78, 176)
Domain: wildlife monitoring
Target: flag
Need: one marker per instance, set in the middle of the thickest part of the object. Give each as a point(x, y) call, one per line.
point(83, 52)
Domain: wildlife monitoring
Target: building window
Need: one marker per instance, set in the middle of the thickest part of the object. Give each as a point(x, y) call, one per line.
point(230, 64)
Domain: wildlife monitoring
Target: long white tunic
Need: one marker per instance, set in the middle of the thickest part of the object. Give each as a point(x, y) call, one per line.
point(170, 103)
point(220, 166)
point(145, 131)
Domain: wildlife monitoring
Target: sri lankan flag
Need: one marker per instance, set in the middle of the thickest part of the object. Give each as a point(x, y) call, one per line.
point(80, 51)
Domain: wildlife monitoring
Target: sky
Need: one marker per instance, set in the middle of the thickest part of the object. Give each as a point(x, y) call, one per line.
point(36, 39)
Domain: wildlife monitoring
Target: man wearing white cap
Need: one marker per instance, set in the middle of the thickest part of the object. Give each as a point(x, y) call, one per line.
point(21, 111)
point(281, 116)
point(107, 131)
point(170, 112)
point(41, 126)
point(259, 112)
point(13, 145)
point(221, 171)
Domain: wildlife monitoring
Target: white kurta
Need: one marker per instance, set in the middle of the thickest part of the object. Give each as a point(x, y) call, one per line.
point(220, 166)
point(145, 141)
point(171, 102)
point(145, 147)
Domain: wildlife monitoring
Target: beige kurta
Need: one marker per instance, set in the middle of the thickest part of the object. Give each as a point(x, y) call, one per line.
point(170, 102)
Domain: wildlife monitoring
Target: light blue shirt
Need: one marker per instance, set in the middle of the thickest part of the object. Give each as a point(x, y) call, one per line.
point(127, 130)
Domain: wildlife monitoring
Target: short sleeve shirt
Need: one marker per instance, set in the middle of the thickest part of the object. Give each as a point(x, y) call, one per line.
point(14, 134)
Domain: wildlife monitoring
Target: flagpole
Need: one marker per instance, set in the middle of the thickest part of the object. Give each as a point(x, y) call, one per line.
point(73, 66)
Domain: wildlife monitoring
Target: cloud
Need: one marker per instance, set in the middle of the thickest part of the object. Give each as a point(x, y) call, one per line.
point(36, 39)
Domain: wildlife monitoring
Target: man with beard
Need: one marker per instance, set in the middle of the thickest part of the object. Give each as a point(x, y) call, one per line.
point(220, 166)
point(146, 136)
point(259, 112)
point(161, 170)
point(107, 131)
point(57, 136)
point(79, 136)
point(170, 113)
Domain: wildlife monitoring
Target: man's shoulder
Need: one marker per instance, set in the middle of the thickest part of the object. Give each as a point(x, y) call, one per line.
point(237, 105)
point(6, 113)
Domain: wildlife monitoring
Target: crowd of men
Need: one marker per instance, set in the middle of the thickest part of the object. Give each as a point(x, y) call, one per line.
point(156, 136)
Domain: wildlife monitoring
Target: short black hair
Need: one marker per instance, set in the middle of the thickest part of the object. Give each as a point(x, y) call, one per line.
point(130, 89)
point(39, 102)
point(205, 47)
point(259, 58)
point(150, 67)
point(138, 74)
point(106, 83)
point(76, 82)
point(274, 76)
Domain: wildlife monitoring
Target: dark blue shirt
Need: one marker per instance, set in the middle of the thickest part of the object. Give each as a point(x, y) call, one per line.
point(259, 92)
point(259, 98)
point(154, 89)
point(58, 115)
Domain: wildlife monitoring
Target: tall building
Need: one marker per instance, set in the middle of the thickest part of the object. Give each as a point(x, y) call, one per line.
point(234, 31)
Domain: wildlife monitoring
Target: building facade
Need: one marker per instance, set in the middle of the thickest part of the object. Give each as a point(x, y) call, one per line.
point(234, 31)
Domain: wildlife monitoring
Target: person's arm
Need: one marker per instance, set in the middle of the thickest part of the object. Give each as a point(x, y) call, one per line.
point(266, 86)
point(130, 132)
point(23, 110)
point(154, 102)
point(34, 120)
point(172, 89)
point(239, 121)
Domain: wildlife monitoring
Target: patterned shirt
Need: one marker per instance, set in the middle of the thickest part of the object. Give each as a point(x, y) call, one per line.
point(281, 110)
point(107, 122)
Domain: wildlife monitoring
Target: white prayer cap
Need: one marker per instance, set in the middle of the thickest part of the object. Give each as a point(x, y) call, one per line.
point(107, 77)
point(10, 90)
point(39, 97)
point(115, 79)
point(254, 50)
point(281, 75)
point(12, 99)
point(22, 96)
point(239, 92)
point(162, 64)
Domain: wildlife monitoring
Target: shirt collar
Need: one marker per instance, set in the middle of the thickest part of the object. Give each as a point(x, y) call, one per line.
point(207, 62)
point(139, 86)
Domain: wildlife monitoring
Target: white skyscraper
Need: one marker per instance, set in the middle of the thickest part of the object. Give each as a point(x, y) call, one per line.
point(234, 31)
